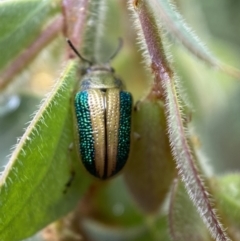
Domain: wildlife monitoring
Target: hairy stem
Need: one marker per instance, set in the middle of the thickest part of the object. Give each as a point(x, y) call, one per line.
point(150, 36)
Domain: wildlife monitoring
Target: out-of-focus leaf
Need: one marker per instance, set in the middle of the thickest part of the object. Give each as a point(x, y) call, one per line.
point(10, 129)
point(150, 168)
point(33, 183)
point(112, 204)
point(93, 32)
point(173, 23)
point(115, 216)
point(21, 22)
point(227, 192)
point(184, 221)
point(154, 230)
point(221, 131)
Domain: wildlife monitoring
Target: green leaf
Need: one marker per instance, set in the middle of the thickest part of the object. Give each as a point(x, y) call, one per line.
point(114, 216)
point(173, 23)
point(21, 22)
point(33, 183)
point(184, 221)
point(227, 192)
point(114, 205)
point(150, 157)
point(154, 230)
point(10, 130)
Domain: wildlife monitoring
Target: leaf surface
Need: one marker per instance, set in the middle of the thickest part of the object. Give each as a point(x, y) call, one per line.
point(33, 185)
point(150, 169)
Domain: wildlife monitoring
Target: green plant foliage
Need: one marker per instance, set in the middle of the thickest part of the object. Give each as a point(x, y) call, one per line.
point(13, 129)
point(154, 230)
point(175, 25)
point(114, 205)
point(21, 22)
point(117, 217)
point(226, 189)
point(184, 221)
point(159, 167)
point(33, 186)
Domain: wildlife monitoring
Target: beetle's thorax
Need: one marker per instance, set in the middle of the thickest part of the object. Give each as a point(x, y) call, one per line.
point(100, 77)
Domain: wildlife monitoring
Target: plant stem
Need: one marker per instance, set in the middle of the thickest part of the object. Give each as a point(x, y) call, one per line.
point(151, 38)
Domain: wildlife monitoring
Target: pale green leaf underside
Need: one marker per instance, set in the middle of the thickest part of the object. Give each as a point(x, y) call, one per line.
point(32, 186)
point(21, 22)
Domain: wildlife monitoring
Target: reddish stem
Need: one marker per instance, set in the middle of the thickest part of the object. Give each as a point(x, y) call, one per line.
point(184, 156)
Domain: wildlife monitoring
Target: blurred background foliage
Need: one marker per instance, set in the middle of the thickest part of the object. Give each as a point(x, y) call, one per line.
point(214, 97)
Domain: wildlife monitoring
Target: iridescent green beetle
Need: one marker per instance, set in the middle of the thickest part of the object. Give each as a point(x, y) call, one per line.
point(103, 114)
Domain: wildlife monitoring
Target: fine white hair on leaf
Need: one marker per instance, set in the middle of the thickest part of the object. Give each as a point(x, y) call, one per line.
point(32, 129)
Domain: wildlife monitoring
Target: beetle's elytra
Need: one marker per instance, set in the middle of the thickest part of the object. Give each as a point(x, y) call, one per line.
point(103, 114)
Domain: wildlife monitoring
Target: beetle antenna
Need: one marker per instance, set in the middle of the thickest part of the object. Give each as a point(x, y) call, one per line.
point(120, 44)
point(77, 53)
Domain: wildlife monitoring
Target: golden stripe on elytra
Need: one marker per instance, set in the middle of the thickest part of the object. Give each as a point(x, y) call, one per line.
point(96, 104)
point(113, 103)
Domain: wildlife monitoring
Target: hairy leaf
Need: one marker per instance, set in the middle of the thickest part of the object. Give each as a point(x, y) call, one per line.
point(33, 188)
